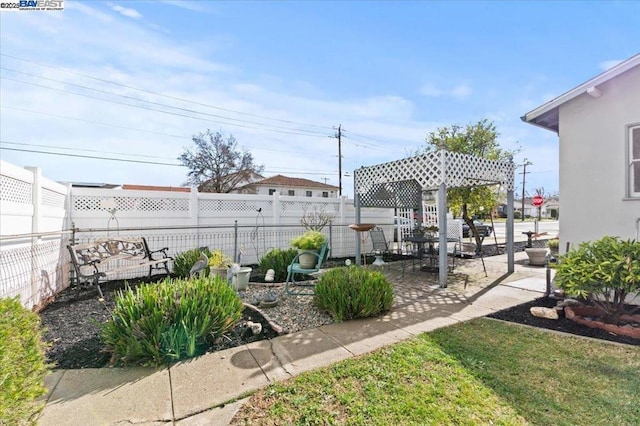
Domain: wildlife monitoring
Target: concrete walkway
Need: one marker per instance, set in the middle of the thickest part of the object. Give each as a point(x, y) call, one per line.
point(208, 390)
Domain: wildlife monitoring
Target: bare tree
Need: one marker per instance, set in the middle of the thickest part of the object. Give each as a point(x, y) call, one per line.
point(316, 219)
point(218, 165)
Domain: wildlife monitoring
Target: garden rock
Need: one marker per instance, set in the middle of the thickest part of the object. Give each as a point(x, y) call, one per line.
point(569, 302)
point(540, 312)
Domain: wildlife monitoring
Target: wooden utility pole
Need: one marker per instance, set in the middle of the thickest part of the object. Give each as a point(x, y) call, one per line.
point(524, 175)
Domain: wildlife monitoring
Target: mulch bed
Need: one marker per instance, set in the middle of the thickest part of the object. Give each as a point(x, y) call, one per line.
point(520, 314)
point(72, 327)
point(72, 324)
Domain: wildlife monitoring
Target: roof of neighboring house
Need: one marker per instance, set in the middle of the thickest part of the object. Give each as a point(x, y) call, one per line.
point(156, 188)
point(281, 180)
point(546, 115)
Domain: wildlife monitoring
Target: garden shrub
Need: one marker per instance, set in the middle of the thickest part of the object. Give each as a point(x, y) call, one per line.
point(353, 292)
point(604, 271)
point(171, 320)
point(278, 260)
point(22, 364)
point(184, 261)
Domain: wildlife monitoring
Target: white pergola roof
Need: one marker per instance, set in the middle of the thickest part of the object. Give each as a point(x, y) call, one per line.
point(383, 184)
point(400, 184)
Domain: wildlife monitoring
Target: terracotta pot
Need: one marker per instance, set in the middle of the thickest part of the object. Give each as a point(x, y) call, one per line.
point(591, 315)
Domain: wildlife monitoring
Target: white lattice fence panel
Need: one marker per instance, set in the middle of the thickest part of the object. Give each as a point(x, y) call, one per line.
point(430, 212)
point(221, 206)
point(460, 170)
point(468, 170)
point(15, 190)
point(425, 169)
point(309, 206)
point(129, 204)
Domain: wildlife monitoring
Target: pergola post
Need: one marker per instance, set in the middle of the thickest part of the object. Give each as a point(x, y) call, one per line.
point(510, 236)
point(442, 233)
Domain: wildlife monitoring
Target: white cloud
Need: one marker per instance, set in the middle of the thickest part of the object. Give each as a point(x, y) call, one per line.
point(131, 13)
point(460, 91)
point(605, 65)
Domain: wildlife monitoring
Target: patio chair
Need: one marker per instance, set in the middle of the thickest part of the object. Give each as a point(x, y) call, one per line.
point(295, 268)
point(379, 244)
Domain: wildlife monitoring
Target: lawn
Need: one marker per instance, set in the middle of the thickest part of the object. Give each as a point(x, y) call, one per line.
point(478, 372)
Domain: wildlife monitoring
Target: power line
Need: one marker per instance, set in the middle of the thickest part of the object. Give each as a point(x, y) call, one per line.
point(90, 156)
point(163, 95)
point(267, 126)
point(155, 110)
point(289, 171)
point(84, 149)
point(94, 122)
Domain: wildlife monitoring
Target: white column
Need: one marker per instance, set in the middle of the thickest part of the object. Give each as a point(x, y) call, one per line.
point(442, 219)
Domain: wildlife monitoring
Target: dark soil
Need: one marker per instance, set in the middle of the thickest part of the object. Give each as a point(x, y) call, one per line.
point(520, 314)
point(72, 327)
point(72, 324)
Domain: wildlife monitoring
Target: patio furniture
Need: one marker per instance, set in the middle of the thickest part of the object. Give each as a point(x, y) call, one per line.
point(91, 261)
point(295, 268)
point(379, 244)
point(427, 247)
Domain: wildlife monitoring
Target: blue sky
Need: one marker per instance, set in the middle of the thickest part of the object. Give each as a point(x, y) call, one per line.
point(280, 76)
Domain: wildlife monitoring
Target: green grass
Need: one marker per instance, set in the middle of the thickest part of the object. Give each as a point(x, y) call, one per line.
point(478, 372)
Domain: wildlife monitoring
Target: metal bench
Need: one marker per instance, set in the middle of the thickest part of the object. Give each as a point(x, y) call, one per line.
point(105, 257)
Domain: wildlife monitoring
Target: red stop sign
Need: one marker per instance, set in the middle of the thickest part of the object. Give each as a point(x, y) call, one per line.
point(537, 200)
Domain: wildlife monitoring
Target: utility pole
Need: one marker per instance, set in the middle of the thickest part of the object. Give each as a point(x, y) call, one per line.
point(339, 137)
point(524, 175)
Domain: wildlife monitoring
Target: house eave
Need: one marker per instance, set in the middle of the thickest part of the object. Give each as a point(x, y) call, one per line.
point(546, 115)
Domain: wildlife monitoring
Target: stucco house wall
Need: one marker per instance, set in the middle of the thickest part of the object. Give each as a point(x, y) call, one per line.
point(594, 168)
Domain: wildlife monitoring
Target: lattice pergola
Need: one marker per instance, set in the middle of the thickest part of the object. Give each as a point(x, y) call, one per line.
point(399, 184)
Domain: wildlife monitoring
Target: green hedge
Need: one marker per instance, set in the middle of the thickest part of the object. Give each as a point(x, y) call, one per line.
point(169, 321)
point(22, 364)
point(353, 292)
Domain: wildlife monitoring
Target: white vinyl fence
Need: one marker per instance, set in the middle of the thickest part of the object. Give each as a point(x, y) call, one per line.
point(32, 216)
point(37, 217)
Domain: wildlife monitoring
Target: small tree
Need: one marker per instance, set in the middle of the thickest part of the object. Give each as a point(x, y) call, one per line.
point(217, 165)
point(479, 139)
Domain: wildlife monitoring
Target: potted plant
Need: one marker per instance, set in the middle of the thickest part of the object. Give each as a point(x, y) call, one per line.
point(308, 245)
point(554, 245)
point(218, 263)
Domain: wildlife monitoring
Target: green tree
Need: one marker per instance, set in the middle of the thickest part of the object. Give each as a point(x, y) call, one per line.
point(218, 165)
point(479, 139)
